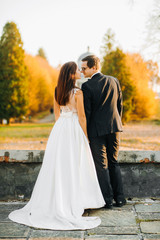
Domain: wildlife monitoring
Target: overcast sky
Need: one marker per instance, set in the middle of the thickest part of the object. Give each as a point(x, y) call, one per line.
point(64, 28)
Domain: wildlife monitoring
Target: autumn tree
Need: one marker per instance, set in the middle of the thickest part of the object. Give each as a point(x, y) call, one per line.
point(41, 84)
point(13, 74)
point(154, 73)
point(33, 84)
point(144, 102)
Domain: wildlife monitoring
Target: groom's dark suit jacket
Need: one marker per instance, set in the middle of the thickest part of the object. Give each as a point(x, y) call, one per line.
point(103, 105)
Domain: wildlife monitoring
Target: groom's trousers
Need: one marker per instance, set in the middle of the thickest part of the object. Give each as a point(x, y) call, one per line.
point(105, 152)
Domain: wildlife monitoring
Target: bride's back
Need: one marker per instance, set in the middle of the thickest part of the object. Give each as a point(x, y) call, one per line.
point(71, 105)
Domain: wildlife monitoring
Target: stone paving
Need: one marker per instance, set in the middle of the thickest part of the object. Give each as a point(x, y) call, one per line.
point(138, 220)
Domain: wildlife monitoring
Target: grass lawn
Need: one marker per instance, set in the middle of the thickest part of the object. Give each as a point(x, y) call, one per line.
point(26, 136)
point(28, 130)
point(142, 135)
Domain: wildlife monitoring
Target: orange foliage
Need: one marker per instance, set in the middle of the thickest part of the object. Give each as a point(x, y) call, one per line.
point(144, 99)
point(42, 82)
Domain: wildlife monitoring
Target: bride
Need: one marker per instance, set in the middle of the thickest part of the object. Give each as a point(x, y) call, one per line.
point(67, 182)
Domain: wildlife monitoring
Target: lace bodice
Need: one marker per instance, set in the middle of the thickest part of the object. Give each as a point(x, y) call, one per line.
point(67, 109)
point(71, 106)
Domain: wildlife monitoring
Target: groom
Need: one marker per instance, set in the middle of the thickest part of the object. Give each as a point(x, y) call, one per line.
point(103, 108)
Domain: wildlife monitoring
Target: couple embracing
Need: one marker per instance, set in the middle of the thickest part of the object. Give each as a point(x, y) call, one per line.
point(80, 169)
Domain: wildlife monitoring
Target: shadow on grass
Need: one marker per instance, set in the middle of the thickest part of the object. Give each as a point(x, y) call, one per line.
point(157, 121)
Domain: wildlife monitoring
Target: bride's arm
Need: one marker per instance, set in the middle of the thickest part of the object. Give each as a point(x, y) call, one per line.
point(56, 109)
point(81, 112)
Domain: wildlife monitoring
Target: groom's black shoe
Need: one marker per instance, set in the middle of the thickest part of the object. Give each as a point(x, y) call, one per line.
point(109, 205)
point(120, 203)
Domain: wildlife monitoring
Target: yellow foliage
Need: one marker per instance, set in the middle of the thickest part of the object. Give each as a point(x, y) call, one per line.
point(144, 100)
point(42, 82)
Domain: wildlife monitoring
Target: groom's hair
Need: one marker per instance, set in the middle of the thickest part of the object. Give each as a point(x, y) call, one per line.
point(92, 61)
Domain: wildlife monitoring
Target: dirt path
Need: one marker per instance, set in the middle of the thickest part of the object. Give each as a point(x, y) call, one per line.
point(141, 136)
point(48, 119)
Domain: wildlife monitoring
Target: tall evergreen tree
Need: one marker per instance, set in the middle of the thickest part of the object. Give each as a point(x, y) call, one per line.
point(109, 42)
point(41, 53)
point(13, 74)
point(114, 64)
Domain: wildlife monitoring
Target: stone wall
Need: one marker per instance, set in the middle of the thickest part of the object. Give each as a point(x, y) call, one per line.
point(19, 170)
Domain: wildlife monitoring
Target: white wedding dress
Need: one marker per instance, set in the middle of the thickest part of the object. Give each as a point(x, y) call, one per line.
point(67, 182)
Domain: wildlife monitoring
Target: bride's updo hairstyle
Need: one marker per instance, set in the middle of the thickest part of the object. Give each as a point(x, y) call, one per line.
point(66, 82)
